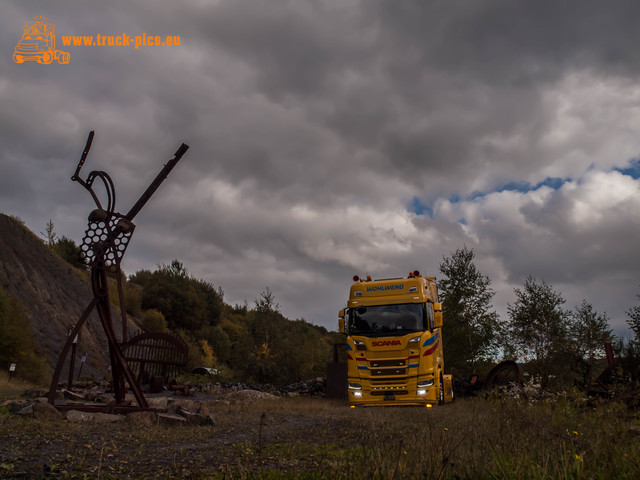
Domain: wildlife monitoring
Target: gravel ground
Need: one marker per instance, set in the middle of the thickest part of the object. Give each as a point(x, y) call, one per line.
point(250, 434)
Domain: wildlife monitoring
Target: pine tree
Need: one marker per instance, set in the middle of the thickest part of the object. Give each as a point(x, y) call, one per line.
point(49, 234)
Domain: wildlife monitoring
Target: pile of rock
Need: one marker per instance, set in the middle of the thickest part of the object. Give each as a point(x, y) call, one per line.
point(313, 387)
point(166, 408)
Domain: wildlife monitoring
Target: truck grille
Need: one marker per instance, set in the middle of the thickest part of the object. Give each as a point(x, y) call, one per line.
point(387, 363)
point(380, 372)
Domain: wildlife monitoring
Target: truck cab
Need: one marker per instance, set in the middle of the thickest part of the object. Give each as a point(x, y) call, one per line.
point(394, 342)
point(38, 43)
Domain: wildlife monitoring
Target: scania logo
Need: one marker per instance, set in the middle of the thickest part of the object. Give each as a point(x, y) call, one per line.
point(385, 343)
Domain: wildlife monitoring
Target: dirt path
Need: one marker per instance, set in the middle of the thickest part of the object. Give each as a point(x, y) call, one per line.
point(246, 437)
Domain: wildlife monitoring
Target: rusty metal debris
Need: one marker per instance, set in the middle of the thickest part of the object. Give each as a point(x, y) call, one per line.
point(615, 383)
point(106, 239)
point(504, 373)
point(337, 373)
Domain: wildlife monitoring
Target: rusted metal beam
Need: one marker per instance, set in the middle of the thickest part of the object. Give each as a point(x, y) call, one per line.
point(144, 198)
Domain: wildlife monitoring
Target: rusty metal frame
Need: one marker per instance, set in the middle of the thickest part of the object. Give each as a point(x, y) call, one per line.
point(155, 354)
point(104, 244)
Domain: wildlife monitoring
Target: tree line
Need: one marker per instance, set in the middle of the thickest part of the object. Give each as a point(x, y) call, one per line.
point(251, 344)
point(557, 344)
point(258, 344)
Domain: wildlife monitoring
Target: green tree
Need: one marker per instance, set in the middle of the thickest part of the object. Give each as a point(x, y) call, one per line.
point(627, 355)
point(17, 344)
point(69, 251)
point(634, 321)
point(589, 331)
point(267, 345)
point(264, 319)
point(538, 327)
point(185, 302)
point(154, 321)
point(49, 234)
point(472, 326)
point(219, 341)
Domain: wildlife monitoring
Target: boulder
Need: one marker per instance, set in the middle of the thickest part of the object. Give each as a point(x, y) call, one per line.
point(78, 416)
point(46, 411)
point(171, 419)
point(159, 403)
point(26, 410)
point(143, 419)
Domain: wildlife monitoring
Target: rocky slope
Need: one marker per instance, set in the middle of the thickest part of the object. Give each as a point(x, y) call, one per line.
point(54, 295)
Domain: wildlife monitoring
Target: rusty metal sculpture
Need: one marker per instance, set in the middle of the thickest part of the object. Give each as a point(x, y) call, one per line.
point(155, 355)
point(104, 244)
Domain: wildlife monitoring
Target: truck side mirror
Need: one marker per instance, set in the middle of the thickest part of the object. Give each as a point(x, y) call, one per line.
point(341, 321)
point(437, 310)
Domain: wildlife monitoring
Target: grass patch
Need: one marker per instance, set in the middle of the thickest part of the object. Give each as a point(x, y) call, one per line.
point(313, 438)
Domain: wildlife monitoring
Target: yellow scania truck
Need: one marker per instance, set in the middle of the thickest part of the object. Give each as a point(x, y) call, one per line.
point(394, 342)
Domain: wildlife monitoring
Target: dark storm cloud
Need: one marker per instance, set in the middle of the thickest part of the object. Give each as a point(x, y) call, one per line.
point(314, 125)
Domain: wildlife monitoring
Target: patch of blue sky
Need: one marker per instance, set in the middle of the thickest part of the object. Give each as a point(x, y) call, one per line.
point(523, 187)
point(418, 207)
point(632, 170)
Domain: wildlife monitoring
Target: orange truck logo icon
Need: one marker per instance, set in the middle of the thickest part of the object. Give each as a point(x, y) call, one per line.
point(38, 43)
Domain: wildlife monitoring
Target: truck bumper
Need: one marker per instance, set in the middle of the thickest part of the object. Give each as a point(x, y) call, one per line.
point(407, 393)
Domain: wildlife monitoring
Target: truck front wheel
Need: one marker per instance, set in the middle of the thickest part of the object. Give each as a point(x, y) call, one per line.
point(441, 391)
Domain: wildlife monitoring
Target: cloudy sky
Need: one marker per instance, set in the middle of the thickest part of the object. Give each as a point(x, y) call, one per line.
point(337, 137)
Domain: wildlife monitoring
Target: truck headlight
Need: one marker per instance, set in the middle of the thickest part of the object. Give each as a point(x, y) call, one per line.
point(415, 339)
point(355, 386)
point(422, 391)
point(425, 383)
point(357, 393)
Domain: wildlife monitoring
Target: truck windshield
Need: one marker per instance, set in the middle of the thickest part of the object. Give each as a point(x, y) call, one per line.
point(388, 319)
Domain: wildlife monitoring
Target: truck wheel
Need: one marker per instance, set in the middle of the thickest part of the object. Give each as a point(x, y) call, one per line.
point(46, 58)
point(441, 391)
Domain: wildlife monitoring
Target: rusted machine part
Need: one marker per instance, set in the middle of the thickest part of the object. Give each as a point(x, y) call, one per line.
point(632, 395)
point(504, 373)
point(609, 351)
point(104, 244)
point(337, 373)
point(112, 408)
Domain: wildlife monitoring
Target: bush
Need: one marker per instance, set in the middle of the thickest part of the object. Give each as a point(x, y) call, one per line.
point(17, 344)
